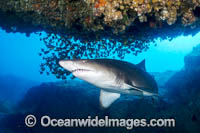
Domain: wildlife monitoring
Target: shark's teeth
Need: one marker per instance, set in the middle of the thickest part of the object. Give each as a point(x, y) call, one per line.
point(79, 70)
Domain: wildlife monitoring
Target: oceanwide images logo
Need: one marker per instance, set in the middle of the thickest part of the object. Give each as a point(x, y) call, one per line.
point(47, 121)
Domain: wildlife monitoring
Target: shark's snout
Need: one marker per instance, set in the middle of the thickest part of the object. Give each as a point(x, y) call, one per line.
point(67, 64)
point(74, 65)
point(79, 68)
point(61, 63)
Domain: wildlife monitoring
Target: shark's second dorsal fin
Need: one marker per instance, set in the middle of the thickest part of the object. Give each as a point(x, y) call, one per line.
point(107, 98)
point(142, 65)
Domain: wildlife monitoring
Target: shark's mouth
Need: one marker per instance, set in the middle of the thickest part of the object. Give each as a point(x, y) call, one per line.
point(80, 70)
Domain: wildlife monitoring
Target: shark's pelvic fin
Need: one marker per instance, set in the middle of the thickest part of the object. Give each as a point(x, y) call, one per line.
point(107, 98)
point(142, 65)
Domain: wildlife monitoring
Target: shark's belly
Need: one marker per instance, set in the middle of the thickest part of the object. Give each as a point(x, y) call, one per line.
point(118, 87)
point(111, 84)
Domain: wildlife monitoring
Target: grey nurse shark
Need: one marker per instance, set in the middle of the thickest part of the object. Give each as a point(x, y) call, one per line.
point(114, 77)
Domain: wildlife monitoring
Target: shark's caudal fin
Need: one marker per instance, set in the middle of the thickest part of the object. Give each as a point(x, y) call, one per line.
point(142, 65)
point(107, 98)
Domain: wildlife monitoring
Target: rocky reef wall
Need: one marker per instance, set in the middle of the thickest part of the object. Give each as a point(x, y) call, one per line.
point(88, 20)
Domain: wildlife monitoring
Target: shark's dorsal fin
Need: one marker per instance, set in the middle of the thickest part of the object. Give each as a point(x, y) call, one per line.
point(142, 65)
point(107, 98)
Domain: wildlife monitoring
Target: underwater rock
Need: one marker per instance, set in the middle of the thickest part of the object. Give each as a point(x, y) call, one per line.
point(162, 77)
point(183, 91)
point(185, 83)
point(192, 60)
point(13, 88)
point(116, 14)
point(77, 99)
point(127, 21)
point(74, 99)
point(3, 108)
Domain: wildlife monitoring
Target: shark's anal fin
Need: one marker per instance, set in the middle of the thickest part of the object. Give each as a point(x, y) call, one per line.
point(107, 98)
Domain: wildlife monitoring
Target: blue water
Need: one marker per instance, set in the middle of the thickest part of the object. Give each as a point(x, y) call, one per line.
point(23, 90)
point(19, 55)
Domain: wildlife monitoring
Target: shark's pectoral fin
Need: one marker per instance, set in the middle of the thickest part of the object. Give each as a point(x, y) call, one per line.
point(107, 98)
